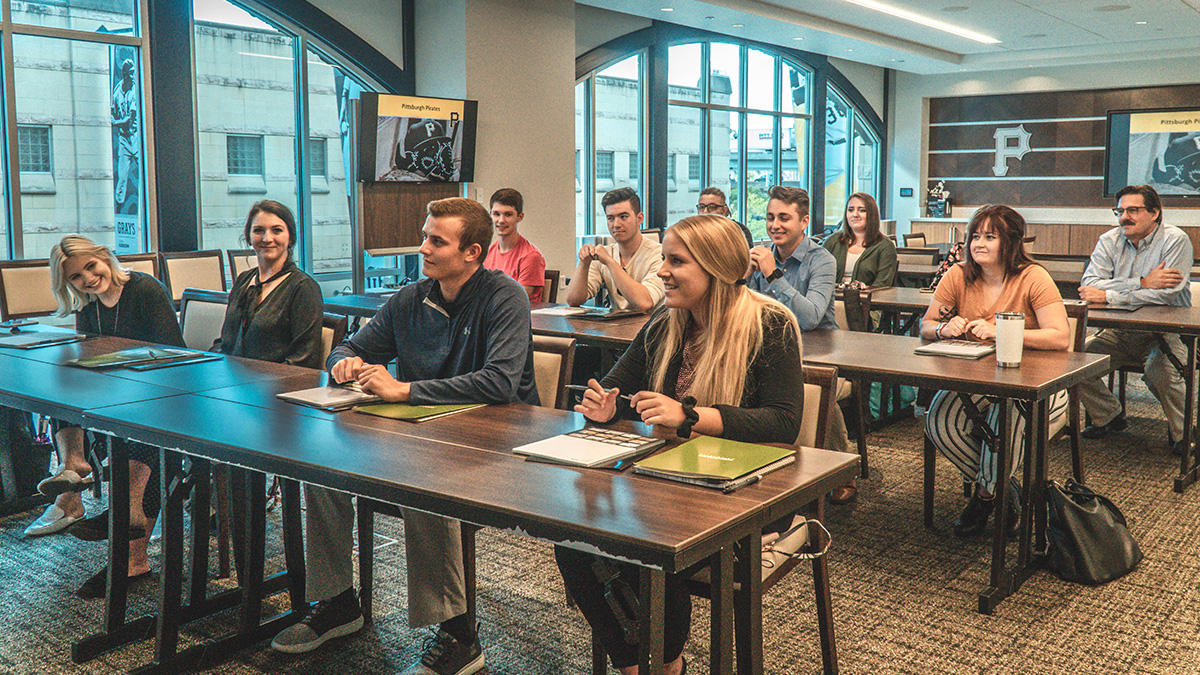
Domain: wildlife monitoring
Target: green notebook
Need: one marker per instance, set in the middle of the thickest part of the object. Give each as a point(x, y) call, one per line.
point(415, 413)
point(714, 462)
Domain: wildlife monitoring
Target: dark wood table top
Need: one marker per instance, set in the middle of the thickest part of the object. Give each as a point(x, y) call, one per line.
point(613, 333)
point(360, 304)
point(900, 298)
point(890, 358)
point(1153, 318)
point(656, 522)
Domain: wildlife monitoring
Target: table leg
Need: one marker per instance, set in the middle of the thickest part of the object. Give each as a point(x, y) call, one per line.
point(820, 565)
point(115, 630)
point(653, 600)
point(293, 541)
point(173, 491)
point(747, 616)
point(1189, 467)
point(721, 627)
point(999, 587)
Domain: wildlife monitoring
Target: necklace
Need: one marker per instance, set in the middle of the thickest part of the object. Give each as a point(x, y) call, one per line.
point(116, 318)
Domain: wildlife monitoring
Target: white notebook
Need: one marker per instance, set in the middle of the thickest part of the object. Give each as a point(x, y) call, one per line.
point(590, 446)
point(330, 398)
point(959, 349)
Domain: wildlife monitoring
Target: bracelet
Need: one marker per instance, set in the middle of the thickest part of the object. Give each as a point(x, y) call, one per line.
point(937, 332)
point(690, 417)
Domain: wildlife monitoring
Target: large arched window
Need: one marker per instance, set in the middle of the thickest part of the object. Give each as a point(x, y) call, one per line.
point(739, 116)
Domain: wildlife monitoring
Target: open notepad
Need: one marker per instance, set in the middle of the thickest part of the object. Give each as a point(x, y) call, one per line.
point(331, 398)
point(591, 447)
point(35, 340)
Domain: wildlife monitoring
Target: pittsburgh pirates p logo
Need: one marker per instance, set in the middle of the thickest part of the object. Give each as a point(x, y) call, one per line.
point(1005, 147)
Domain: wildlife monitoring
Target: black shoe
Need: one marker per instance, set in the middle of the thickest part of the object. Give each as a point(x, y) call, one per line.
point(96, 528)
point(1012, 521)
point(1117, 423)
point(327, 619)
point(973, 519)
point(97, 585)
point(446, 656)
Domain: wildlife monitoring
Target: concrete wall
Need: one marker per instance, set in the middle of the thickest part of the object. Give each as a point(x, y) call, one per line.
point(379, 22)
point(909, 139)
point(595, 26)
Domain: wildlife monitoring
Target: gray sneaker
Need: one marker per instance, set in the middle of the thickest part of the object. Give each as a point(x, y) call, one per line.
point(446, 656)
point(327, 619)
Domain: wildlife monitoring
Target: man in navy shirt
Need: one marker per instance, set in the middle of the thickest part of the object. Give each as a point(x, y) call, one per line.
point(461, 335)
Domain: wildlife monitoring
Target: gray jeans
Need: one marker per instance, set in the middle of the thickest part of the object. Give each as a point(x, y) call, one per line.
point(1161, 377)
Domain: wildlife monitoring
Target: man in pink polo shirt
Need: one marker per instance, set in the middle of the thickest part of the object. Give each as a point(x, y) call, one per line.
point(512, 253)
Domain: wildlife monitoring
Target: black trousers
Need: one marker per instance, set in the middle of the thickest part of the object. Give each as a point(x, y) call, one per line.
point(588, 590)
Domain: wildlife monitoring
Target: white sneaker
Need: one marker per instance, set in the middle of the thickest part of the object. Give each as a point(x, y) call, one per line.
point(53, 520)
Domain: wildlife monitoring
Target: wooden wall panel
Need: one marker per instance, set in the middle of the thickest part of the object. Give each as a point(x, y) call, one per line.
point(1064, 148)
point(1084, 237)
point(393, 213)
point(1052, 239)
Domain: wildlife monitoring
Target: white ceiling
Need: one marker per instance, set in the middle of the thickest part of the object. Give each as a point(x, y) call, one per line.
point(1032, 33)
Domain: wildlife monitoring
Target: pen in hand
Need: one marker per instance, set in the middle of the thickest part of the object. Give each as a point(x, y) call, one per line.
point(582, 388)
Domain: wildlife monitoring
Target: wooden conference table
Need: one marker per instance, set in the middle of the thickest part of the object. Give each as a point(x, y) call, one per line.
point(460, 466)
point(1183, 321)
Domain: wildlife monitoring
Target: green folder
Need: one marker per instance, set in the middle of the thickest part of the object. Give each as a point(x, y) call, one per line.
point(135, 355)
point(415, 413)
point(707, 460)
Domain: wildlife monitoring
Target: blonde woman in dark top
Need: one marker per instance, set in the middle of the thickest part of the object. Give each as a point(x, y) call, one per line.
point(88, 281)
point(275, 309)
point(718, 359)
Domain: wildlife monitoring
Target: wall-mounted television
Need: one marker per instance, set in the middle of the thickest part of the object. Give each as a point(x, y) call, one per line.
point(411, 139)
point(1160, 148)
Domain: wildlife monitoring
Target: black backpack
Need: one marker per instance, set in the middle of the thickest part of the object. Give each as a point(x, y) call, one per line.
point(24, 459)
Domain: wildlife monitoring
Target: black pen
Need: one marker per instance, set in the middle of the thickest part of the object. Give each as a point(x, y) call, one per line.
point(741, 483)
point(580, 387)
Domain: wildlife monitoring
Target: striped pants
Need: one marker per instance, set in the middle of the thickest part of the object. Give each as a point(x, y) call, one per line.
point(953, 433)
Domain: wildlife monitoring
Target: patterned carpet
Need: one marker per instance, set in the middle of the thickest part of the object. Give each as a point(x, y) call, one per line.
point(904, 597)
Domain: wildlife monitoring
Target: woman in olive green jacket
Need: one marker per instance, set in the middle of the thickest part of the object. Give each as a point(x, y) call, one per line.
point(863, 253)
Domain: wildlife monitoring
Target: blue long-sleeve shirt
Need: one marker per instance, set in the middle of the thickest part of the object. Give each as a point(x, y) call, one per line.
point(1117, 267)
point(806, 287)
point(476, 349)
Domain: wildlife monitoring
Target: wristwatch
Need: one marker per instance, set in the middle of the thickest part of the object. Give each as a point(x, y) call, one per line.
point(777, 273)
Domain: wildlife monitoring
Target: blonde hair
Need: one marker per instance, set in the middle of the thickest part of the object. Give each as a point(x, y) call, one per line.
point(70, 299)
point(733, 334)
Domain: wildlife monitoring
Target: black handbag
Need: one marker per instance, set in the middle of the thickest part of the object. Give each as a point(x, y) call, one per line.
point(1088, 540)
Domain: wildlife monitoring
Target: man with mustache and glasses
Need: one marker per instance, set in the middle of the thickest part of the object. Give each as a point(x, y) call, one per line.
point(1141, 262)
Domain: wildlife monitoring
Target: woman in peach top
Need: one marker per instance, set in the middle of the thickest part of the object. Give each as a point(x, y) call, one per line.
point(997, 276)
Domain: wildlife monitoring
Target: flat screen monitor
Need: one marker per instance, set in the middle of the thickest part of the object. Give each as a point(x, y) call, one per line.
point(411, 139)
point(1160, 148)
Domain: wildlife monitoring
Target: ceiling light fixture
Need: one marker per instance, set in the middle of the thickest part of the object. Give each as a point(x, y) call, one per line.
point(797, 38)
point(668, 9)
point(924, 21)
point(738, 25)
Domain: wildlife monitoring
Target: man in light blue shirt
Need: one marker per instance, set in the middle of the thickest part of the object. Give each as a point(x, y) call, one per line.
point(1142, 262)
point(794, 271)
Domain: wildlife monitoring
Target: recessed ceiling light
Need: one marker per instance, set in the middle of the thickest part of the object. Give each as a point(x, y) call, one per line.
point(849, 50)
point(1112, 8)
point(668, 9)
point(738, 25)
point(955, 8)
point(709, 18)
point(924, 21)
point(1034, 36)
point(1141, 23)
point(797, 38)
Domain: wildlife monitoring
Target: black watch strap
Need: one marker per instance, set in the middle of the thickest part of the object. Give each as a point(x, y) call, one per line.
point(775, 274)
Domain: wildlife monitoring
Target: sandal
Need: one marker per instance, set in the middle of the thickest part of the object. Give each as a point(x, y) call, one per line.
point(64, 481)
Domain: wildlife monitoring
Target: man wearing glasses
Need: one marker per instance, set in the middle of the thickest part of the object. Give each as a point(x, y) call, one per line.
point(712, 200)
point(1141, 262)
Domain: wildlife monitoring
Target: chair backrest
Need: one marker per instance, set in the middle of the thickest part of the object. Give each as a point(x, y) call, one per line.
point(915, 239)
point(852, 309)
point(654, 233)
point(25, 289)
point(333, 331)
point(1077, 324)
point(201, 315)
point(550, 292)
point(146, 263)
point(917, 256)
point(820, 392)
point(240, 260)
point(193, 269)
point(553, 359)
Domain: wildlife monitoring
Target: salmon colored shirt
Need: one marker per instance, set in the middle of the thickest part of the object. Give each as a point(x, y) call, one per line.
point(1027, 292)
point(523, 263)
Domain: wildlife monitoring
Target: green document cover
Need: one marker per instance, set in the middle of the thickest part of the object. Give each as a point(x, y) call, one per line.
point(415, 413)
point(713, 460)
point(128, 357)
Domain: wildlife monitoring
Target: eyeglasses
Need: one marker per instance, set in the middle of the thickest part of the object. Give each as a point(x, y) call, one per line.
point(1131, 210)
point(710, 208)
